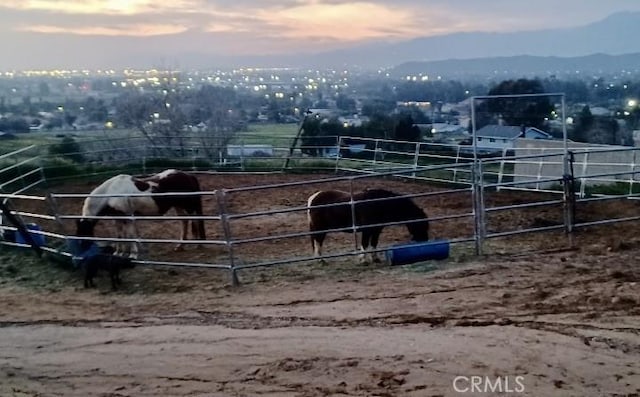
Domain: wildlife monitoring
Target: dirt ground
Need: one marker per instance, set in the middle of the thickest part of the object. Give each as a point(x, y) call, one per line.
point(533, 316)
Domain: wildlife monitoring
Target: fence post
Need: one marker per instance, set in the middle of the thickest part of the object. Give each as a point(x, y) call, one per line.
point(144, 160)
point(477, 193)
point(632, 175)
point(41, 165)
point(569, 198)
point(375, 154)
point(416, 159)
point(583, 180)
point(221, 198)
point(353, 214)
point(55, 209)
point(501, 169)
point(339, 145)
point(241, 153)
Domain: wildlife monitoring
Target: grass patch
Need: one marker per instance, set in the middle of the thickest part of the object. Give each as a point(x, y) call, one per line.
point(613, 189)
point(271, 130)
point(22, 268)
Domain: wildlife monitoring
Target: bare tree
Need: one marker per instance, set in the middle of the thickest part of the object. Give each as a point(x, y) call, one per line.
point(180, 122)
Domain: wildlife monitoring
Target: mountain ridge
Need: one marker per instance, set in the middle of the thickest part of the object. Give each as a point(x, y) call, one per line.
point(522, 65)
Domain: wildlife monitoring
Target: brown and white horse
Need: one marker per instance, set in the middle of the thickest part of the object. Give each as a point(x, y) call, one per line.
point(372, 210)
point(98, 203)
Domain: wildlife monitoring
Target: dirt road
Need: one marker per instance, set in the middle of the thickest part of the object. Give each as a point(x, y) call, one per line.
point(552, 324)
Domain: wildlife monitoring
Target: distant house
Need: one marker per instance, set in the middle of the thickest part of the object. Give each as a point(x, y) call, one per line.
point(200, 127)
point(353, 121)
point(500, 137)
point(321, 113)
point(442, 128)
point(600, 111)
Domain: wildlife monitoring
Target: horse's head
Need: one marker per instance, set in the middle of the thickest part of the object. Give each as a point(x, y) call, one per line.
point(419, 229)
point(84, 227)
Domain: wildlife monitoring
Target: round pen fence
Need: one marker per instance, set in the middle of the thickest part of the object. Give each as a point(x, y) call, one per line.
point(260, 219)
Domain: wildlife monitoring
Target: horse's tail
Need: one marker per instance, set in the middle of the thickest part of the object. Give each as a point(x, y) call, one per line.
point(199, 223)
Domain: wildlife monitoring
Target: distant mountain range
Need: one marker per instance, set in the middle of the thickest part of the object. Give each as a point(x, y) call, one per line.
point(615, 35)
point(522, 65)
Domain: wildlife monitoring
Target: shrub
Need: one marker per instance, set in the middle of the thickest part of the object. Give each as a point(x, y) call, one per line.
point(67, 148)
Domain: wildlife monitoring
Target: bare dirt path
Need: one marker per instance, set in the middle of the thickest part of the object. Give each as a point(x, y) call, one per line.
point(567, 323)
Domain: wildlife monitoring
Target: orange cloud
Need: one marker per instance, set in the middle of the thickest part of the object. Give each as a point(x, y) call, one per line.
point(110, 7)
point(138, 30)
point(344, 22)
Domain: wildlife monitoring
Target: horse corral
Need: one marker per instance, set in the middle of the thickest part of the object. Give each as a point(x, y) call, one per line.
point(268, 221)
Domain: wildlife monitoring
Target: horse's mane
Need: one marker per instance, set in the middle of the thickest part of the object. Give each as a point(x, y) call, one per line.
point(406, 204)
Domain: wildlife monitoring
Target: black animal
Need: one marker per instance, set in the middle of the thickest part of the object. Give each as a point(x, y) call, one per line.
point(372, 209)
point(105, 260)
point(91, 258)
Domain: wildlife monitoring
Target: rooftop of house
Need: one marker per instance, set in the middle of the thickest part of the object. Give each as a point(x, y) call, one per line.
point(499, 131)
point(509, 132)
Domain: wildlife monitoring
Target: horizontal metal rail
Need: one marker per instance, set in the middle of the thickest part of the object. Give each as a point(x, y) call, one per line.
point(20, 177)
point(144, 217)
point(21, 197)
point(27, 187)
point(147, 240)
point(144, 194)
point(524, 231)
point(182, 264)
point(607, 221)
point(502, 185)
point(16, 152)
point(34, 215)
point(606, 197)
point(17, 165)
point(337, 179)
point(525, 205)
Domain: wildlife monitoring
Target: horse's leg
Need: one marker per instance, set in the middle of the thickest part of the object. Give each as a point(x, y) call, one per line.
point(119, 234)
point(316, 243)
point(375, 236)
point(132, 233)
point(185, 229)
point(197, 225)
point(364, 245)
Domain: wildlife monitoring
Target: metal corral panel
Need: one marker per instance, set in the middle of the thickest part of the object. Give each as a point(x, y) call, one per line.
point(590, 161)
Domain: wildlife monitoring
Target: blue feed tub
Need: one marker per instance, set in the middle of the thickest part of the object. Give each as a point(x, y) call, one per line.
point(37, 238)
point(403, 254)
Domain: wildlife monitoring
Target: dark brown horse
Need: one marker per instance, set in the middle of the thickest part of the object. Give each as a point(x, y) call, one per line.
point(373, 208)
point(169, 181)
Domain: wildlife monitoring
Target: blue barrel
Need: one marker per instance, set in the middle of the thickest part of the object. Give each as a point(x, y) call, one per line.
point(403, 254)
point(37, 238)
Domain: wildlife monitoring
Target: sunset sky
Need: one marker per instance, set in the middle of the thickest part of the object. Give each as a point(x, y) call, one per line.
point(59, 33)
